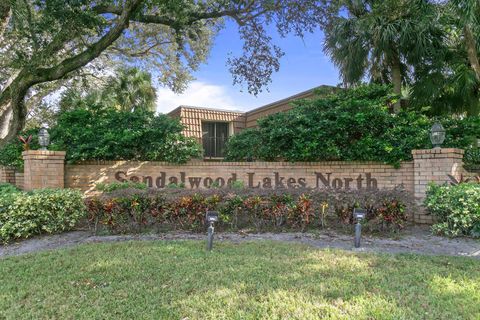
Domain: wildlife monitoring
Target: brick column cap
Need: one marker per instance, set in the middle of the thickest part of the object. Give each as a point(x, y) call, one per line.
point(44, 153)
point(454, 152)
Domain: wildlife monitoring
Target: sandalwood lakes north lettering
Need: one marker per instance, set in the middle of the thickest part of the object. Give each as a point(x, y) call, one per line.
point(275, 181)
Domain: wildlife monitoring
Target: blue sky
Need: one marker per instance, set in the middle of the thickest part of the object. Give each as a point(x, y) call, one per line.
point(304, 66)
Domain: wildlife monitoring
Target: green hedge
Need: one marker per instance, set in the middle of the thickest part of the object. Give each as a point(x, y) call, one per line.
point(457, 209)
point(23, 214)
point(259, 210)
point(100, 133)
point(351, 125)
point(108, 134)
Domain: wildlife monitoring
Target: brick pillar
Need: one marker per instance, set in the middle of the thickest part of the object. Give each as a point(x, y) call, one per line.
point(433, 165)
point(43, 169)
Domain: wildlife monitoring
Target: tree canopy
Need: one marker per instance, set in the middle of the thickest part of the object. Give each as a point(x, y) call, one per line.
point(380, 39)
point(425, 48)
point(429, 47)
point(49, 41)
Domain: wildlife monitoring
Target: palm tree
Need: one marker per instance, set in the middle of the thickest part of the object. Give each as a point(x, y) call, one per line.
point(380, 39)
point(467, 14)
point(448, 78)
point(132, 90)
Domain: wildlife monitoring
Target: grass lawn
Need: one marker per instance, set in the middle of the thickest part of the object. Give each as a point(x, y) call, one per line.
point(255, 280)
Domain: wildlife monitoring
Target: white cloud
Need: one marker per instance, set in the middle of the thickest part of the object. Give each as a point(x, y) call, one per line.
point(198, 94)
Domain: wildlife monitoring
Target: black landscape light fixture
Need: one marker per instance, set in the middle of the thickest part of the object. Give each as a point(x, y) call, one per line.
point(358, 215)
point(437, 134)
point(43, 138)
point(212, 217)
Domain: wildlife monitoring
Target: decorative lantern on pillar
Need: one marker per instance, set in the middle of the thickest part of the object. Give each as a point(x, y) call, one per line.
point(43, 138)
point(437, 134)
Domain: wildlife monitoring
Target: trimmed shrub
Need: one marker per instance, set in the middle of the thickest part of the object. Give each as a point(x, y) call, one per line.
point(456, 207)
point(25, 214)
point(99, 133)
point(350, 125)
point(134, 210)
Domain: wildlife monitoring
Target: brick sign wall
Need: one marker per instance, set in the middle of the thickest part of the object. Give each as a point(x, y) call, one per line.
point(46, 169)
point(200, 175)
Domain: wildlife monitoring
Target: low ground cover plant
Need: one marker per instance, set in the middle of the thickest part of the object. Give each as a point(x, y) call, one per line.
point(456, 207)
point(23, 214)
point(127, 210)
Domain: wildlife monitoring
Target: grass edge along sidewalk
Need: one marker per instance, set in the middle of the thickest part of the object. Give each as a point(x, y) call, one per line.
point(251, 280)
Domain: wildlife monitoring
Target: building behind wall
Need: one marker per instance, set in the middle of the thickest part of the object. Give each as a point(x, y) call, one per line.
point(212, 127)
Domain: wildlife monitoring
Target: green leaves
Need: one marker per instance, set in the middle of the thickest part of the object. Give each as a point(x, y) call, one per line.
point(353, 125)
point(42, 211)
point(8, 188)
point(108, 134)
point(118, 210)
point(98, 133)
point(344, 126)
point(365, 38)
point(457, 209)
point(11, 154)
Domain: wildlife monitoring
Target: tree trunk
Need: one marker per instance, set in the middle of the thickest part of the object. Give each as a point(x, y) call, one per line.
point(471, 45)
point(396, 80)
point(12, 105)
point(12, 119)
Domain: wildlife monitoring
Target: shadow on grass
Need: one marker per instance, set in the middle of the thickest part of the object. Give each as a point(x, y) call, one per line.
point(257, 280)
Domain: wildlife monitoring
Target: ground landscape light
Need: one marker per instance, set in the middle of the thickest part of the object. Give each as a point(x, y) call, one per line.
point(43, 138)
point(212, 217)
point(358, 215)
point(437, 134)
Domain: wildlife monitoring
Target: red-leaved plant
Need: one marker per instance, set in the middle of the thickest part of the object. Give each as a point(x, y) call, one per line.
point(26, 142)
point(259, 210)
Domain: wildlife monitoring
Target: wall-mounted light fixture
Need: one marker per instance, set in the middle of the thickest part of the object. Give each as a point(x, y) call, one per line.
point(43, 138)
point(437, 134)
